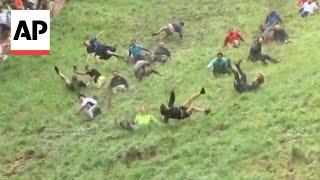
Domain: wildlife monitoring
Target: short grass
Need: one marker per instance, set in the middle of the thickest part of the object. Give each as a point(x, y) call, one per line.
point(269, 134)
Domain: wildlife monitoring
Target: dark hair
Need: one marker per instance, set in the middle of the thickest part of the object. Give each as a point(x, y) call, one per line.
point(81, 95)
point(260, 78)
point(182, 23)
point(163, 109)
point(219, 54)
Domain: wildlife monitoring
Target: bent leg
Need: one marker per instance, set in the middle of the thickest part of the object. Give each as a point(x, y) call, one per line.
point(192, 109)
point(188, 103)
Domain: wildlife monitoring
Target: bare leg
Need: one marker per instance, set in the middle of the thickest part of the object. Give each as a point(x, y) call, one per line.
point(160, 30)
point(62, 76)
point(192, 109)
point(188, 103)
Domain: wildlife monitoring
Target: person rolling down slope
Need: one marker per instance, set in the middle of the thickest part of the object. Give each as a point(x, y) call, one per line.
point(99, 50)
point(272, 19)
point(89, 106)
point(184, 111)
point(143, 118)
point(118, 83)
point(161, 53)
point(240, 80)
point(143, 68)
point(220, 65)
point(256, 54)
point(138, 52)
point(94, 74)
point(74, 84)
point(170, 29)
point(233, 37)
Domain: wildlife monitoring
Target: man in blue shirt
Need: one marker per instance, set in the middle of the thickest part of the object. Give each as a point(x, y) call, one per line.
point(138, 52)
point(220, 65)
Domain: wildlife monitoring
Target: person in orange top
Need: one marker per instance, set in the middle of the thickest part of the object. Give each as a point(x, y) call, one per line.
point(233, 37)
point(18, 4)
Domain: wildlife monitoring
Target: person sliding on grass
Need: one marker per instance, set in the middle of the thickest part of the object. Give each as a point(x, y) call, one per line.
point(170, 29)
point(94, 74)
point(272, 19)
point(240, 80)
point(308, 8)
point(98, 49)
point(138, 52)
point(234, 37)
point(74, 84)
point(118, 83)
point(161, 53)
point(256, 54)
point(280, 35)
point(89, 106)
point(143, 118)
point(184, 111)
point(143, 69)
point(220, 65)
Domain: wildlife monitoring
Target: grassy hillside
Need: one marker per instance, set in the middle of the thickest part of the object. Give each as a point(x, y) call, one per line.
point(270, 134)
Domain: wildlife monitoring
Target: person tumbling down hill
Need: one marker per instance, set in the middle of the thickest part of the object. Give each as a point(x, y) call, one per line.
point(161, 53)
point(96, 77)
point(143, 68)
point(74, 84)
point(138, 52)
point(272, 19)
point(234, 38)
point(170, 29)
point(220, 65)
point(143, 118)
point(184, 111)
point(256, 54)
point(240, 80)
point(89, 106)
point(118, 83)
point(308, 8)
point(99, 50)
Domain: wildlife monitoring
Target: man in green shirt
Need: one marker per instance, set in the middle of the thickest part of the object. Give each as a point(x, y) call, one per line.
point(220, 65)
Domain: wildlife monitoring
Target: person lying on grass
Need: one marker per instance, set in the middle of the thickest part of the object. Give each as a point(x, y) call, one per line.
point(240, 80)
point(99, 50)
point(74, 84)
point(234, 38)
point(143, 118)
point(308, 8)
point(255, 53)
point(96, 77)
point(118, 83)
point(138, 52)
point(143, 68)
point(220, 65)
point(170, 29)
point(272, 19)
point(184, 111)
point(89, 106)
point(161, 53)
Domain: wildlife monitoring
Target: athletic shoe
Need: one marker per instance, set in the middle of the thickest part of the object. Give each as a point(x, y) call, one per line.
point(56, 69)
point(203, 91)
point(207, 111)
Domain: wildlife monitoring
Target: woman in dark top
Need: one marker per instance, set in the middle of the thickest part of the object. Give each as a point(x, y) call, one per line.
point(184, 111)
point(240, 80)
point(94, 74)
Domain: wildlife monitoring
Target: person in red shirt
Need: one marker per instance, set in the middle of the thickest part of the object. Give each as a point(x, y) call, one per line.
point(234, 37)
point(18, 4)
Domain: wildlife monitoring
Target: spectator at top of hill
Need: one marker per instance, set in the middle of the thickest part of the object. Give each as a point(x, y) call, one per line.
point(184, 111)
point(74, 84)
point(161, 53)
point(170, 29)
point(18, 5)
point(220, 65)
point(240, 80)
point(5, 23)
point(89, 106)
point(3, 49)
point(256, 52)
point(308, 8)
point(272, 19)
point(32, 4)
point(143, 118)
point(98, 49)
point(96, 77)
point(118, 83)
point(138, 52)
point(233, 37)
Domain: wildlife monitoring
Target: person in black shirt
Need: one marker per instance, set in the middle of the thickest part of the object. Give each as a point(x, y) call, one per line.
point(240, 80)
point(174, 27)
point(184, 111)
point(161, 53)
point(94, 74)
point(118, 83)
point(256, 54)
point(100, 51)
point(74, 84)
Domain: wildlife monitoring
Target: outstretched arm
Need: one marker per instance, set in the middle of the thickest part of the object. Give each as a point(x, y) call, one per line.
point(99, 34)
point(172, 99)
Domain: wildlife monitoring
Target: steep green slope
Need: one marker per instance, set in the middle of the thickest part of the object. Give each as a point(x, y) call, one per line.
point(270, 134)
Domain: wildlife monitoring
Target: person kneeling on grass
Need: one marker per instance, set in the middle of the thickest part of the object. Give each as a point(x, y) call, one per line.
point(234, 37)
point(184, 111)
point(240, 80)
point(143, 118)
point(220, 65)
point(99, 50)
point(170, 29)
point(89, 106)
point(94, 74)
point(74, 84)
point(118, 83)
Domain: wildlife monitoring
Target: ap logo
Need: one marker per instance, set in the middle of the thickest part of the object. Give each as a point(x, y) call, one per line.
point(30, 32)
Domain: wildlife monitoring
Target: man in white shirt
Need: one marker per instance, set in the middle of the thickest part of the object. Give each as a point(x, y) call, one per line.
point(309, 8)
point(89, 106)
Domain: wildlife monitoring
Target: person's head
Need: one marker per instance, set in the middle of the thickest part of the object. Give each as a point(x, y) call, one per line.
point(161, 44)
point(81, 96)
point(87, 68)
point(231, 29)
point(260, 39)
point(144, 110)
point(115, 73)
point(86, 43)
point(163, 109)
point(219, 55)
point(182, 23)
point(310, 1)
point(258, 79)
point(134, 41)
